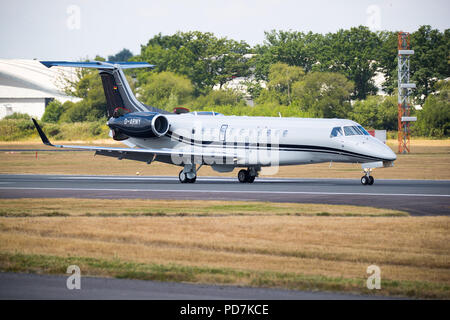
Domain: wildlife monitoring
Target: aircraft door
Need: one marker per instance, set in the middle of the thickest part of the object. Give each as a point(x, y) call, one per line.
point(223, 132)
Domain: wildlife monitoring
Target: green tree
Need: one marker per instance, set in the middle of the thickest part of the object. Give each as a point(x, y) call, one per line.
point(428, 64)
point(434, 119)
point(388, 113)
point(165, 89)
point(289, 47)
point(77, 112)
point(90, 89)
point(53, 111)
point(205, 59)
point(324, 94)
point(387, 57)
point(218, 98)
point(430, 61)
point(123, 55)
point(376, 112)
point(272, 97)
point(254, 88)
point(353, 53)
point(282, 76)
point(18, 116)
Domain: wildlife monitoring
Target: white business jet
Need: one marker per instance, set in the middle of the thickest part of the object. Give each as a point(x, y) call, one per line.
point(194, 139)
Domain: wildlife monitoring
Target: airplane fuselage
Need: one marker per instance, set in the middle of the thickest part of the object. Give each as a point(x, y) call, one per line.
point(287, 141)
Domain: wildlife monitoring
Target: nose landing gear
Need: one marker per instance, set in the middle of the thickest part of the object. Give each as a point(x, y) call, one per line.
point(367, 179)
point(188, 174)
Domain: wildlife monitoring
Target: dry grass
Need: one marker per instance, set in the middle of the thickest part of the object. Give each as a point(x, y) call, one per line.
point(435, 154)
point(412, 252)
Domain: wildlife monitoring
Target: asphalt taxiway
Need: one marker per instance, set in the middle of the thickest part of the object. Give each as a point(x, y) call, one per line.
point(418, 197)
point(38, 287)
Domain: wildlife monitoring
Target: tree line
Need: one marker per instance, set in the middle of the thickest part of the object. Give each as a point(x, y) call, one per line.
point(294, 73)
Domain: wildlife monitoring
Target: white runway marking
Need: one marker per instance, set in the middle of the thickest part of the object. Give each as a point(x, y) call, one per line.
point(138, 178)
point(221, 179)
point(239, 191)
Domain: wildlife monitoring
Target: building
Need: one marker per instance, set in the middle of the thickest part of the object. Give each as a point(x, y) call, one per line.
point(27, 86)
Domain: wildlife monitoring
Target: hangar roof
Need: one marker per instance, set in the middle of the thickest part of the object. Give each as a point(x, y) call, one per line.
point(30, 79)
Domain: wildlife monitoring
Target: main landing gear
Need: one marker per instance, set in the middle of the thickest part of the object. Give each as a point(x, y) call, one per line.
point(367, 179)
point(248, 175)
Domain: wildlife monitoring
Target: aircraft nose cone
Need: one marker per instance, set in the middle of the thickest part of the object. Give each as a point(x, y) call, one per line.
point(389, 154)
point(379, 150)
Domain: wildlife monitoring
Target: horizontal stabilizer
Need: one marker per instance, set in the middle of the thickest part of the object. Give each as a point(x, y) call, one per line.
point(98, 64)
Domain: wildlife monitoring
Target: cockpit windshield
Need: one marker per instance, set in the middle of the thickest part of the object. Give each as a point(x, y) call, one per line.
point(364, 131)
point(355, 131)
point(348, 131)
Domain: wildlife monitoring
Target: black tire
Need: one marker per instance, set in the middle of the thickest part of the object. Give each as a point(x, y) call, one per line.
point(192, 180)
point(182, 177)
point(371, 180)
point(243, 176)
point(364, 180)
point(251, 179)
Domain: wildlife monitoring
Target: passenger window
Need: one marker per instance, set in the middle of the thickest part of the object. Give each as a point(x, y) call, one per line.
point(337, 131)
point(285, 132)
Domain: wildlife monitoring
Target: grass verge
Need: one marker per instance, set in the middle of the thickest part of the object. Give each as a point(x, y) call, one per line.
point(64, 207)
point(171, 272)
point(294, 246)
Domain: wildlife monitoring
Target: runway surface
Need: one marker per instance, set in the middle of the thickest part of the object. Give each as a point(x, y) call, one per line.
point(33, 286)
point(418, 197)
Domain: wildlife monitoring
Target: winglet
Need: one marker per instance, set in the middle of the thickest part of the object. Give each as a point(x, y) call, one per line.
point(41, 133)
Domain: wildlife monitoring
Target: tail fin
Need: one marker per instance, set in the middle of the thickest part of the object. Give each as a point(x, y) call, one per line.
point(119, 96)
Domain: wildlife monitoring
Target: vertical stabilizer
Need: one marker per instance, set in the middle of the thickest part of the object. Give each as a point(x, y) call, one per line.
point(119, 97)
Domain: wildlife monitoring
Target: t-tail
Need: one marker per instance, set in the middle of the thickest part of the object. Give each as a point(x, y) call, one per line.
point(119, 97)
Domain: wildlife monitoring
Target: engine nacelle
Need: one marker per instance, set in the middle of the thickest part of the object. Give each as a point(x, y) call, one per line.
point(139, 125)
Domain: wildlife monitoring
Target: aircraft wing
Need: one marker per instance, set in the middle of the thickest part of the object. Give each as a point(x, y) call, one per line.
point(146, 155)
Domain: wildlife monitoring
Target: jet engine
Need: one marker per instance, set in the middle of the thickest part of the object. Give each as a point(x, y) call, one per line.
point(138, 125)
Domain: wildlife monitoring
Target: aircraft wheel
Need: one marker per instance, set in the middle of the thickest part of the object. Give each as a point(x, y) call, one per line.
point(364, 180)
point(371, 180)
point(192, 180)
point(243, 176)
point(182, 177)
point(251, 179)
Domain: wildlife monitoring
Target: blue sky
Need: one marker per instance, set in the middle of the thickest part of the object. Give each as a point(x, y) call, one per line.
point(72, 29)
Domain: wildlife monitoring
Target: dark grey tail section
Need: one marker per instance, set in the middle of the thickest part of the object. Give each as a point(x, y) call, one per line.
point(119, 97)
point(114, 101)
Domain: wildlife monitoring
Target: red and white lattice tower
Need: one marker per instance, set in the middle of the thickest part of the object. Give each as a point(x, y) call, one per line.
point(404, 91)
